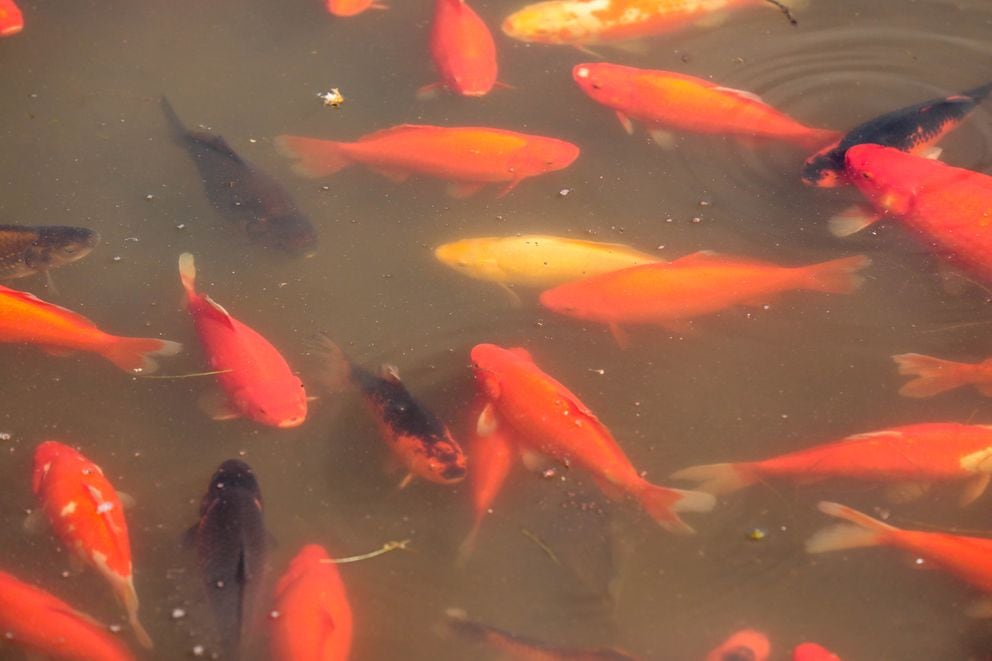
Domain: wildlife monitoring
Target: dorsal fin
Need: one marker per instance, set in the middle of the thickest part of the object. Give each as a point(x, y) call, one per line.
point(743, 94)
point(215, 143)
point(219, 309)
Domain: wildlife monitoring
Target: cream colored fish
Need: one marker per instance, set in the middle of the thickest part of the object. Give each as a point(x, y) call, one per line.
point(536, 260)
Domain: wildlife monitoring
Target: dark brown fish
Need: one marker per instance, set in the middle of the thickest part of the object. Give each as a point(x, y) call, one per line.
point(27, 250)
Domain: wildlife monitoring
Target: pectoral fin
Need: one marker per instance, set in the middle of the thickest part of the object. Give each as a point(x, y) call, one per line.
point(486, 423)
point(217, 405)
point(625, 122)
point(905, 492)
point(460, 190)
point(974, 487)
point(620, 335)
point(36, 522)
point(980, 608)
point(852, 220)
point(662, 138)
point(127, 500)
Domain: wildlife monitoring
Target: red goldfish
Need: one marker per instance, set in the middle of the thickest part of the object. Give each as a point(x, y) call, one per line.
point(256, 381)
point(350, 7)
point(968, 558)
point(549, 419)
point(669, 294)
point(87, 516)
point(934, 376)
point(949, 208)
point(26, 319)
point(314, 618)
point(745, 644)
point(813, 652)
point(463, 50)
point(910, 455)
point(11, 19)
point(44, 625)
point(665, 100)
point(468, 157)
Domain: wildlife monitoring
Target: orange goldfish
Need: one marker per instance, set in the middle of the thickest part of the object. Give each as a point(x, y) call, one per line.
point(47, 626)
point(549, 419)
point(746, 644)
point(665, 100)
point(314, 618)
point(813, 652)
point(968, 558)
point(934, 376)
point(463, 50)
point(350, 7)
point(910, 457)
point(87, 516)
point(669, 294)
point(11, 19)
point(468, 157)
point(949, 208)
point(25, 318)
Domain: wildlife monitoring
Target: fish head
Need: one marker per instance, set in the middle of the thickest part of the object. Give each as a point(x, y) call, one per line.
point(569, 299)
point(56, 246)
point(445, 461)
point(291, 232)
point(887, 176)
point(541, 155)
point(551, 22)
point(470, 257)
point(46, 454)
point(487, 364)
point(279, 403)
point(605, 83)
point(232, 474)
point(825, 168)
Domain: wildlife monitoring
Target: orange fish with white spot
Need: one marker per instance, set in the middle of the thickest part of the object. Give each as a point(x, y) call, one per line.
point(548, 419)
point(87, 517)
point(462, 49)
point(315, 621)
point(667, 101)
point(43, 624)
point(467, 157)
point(11, 19)
point(350, 7)
point(935, 375)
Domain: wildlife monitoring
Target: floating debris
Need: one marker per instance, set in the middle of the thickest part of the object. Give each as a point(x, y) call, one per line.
point(385, 548)
point(332, 99)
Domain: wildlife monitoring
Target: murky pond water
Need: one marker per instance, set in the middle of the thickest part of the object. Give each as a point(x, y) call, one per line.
point(86, 143)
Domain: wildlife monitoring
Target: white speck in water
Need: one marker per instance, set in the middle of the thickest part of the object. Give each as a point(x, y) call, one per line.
point(115, 628)
point(178, 613)
point(564, 191)
point(5, 436)
point(117, 258)
point(198, 650)
point(220, 584)
point(274, 615)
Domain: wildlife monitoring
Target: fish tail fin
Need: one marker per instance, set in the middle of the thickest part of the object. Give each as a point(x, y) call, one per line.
point(838, 276)
point(333, 368)
point(664, 504)
point(187, 273)
point(860, 531)
point(979, 93)
point(718, 479)
point(817, 139)
point(933, 375)
point(129, 597)
point(175, 124)
point(134, 354)
point(314, 158)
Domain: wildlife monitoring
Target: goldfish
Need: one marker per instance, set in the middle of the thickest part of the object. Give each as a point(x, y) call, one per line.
point(702, 283)
point(26, 319)
point(231, 548)
point(744, 645)
point(415, 436)
point(27, 250)
point(513, 646)
point(244, 194)
point(11, 18)
point(934, 376)
point(812, 652)
point(256, 381)
point(548, 419)
point(314, 619)
point(666, 101)
point(87, 516)
point(914, 129)
point(351, 7)
point(967, 558)
point(909, 457)
point(588, 22)
point(948, 208)
point(463, 50)
point(44, 625)
point(536, 260)
point(468, 157)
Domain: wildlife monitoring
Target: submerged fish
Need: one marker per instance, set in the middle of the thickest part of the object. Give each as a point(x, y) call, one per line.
point(350, 7)
point(47, 627)
point(231, 547)
point(11, 18)
point(934, 375)
point(667, 101)
point(517, 647)
point(26, 319)
point(967, 558)
point(415, 436)
point(909, 458)
point(243, 193)
point(26, 250)
point(914, 129)
point(462, 49)
point(468, 157)
point(86, 514)
point(744, 645)
point(812, 652)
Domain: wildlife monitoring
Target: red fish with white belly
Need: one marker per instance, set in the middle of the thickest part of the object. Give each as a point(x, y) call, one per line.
point(256, 381)
point(87, 517)
point(548, 419)
point(462, 49)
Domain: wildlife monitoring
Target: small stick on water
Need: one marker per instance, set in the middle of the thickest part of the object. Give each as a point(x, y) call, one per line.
point(385, 548)
point(542, 545)
point(182, 376)
point(785, 10)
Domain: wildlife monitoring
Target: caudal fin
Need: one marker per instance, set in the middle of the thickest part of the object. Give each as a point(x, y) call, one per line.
point(979, 93)
point(332, 369)
point(129, 597)
point(817, 139)
point(934, 375)
point(314, 158)
point(865, 530)
point(838, 276)
point(187, 273)
point(134, 354)
point(717, 479)
point(664, 504)
point(175, 124)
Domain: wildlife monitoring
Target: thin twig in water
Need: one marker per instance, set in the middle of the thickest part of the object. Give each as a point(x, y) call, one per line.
point(963, 324)
point(182, 376)
point(785, 10)
point(385, 548)
point(544, 547)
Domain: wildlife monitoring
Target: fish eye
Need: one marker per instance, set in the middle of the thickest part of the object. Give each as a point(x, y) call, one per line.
point(866, 175)
point(596, 86)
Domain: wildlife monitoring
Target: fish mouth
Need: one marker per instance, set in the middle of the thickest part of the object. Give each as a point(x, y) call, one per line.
point(453, 474)
point(288, 423)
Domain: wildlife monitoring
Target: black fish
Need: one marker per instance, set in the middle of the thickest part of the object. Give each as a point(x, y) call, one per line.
point(231, 543)
point(26, 250)
point(245, 194)
point(416, 436)
point(915, 127)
